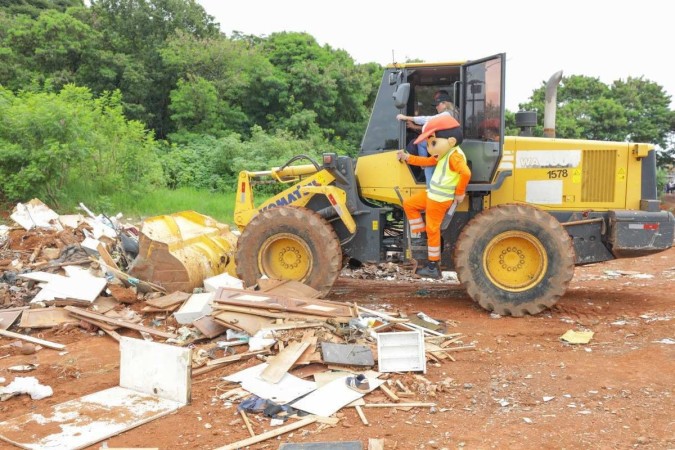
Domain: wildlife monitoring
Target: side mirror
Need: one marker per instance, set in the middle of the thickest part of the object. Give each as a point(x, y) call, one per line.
point(401, 96)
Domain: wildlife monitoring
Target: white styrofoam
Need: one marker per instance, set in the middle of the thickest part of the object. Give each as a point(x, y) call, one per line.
point(226, 280)
point(196, 306)
point(401, 351)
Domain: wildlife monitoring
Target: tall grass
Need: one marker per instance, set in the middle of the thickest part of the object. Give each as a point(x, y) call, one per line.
point(136, 207)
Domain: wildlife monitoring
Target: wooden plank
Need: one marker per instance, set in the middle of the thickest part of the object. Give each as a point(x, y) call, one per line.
point(362, 416)
point(282, 303)
point(104, 304)
point(269, 434)
point(45, 318)
point(400, 405)
point(9, 316)
point(226, 359)
point(284, 360)
point(247, 422)
point(122, 323)
point(105, 256)
point(168, 301)
point(24, 337)
point(389, 393)
point(289, 288)
point(209, 327)
point(247, 322)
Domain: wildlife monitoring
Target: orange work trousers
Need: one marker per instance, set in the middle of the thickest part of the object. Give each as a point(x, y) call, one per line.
point(435, 212)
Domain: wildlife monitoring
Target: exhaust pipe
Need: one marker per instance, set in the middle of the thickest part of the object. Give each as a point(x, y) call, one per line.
point(551, 103)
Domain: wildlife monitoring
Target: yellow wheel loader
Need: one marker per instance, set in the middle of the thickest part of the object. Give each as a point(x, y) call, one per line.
point(535, 207)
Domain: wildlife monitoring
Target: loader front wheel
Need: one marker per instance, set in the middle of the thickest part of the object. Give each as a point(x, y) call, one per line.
point(289, 243)
point(514, 259)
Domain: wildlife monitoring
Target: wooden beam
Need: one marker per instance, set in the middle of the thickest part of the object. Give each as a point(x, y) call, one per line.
point(27, 338)
point(247, 422)
point(119, 322)
point(399, 405)
point(362, 416)
point(269, 434)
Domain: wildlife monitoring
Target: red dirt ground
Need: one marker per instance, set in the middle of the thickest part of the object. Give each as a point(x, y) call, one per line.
point(522, 388)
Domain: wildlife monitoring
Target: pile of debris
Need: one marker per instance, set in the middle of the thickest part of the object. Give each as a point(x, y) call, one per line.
point(310, 357)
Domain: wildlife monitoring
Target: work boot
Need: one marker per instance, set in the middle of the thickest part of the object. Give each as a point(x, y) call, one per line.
point(431, 270)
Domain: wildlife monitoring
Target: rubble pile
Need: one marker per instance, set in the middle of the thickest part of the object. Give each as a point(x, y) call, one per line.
point(309, 357)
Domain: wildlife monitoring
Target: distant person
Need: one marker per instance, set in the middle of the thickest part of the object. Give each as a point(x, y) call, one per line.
point(670, 187)
point(443, 103)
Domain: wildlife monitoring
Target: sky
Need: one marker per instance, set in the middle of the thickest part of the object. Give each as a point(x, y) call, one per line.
point(609, 40)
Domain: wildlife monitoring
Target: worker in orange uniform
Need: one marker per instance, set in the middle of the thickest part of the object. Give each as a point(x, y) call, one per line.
point(448, 184)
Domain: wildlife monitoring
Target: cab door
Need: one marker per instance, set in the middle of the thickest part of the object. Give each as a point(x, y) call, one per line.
point(482, 115)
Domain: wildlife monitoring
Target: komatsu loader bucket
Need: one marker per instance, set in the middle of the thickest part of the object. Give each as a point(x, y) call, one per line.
point(178, 251)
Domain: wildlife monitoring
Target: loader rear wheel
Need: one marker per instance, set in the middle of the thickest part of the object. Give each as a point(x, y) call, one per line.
point(514, 259)
point(289, 243)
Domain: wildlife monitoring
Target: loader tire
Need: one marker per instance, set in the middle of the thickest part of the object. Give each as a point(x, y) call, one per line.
point(514, 259)
point(289, 243)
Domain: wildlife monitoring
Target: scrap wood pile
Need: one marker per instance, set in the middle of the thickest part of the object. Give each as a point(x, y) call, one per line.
point(300, 354)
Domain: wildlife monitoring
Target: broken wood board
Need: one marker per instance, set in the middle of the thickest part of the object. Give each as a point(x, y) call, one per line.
point(288, 288)
point(167, 302)
point(209, 327)
point(9, 316)
point(282, 303)
point(347, 354)
point(104, 304)
point(45, 318)
point(328, 399)
point(274, 314)
point(249, 323)
point(79, 312)
point(308, 371)
point(278, 365)
point(80, 285)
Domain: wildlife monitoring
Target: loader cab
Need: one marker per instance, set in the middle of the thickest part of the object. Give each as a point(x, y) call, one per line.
point(477, 90)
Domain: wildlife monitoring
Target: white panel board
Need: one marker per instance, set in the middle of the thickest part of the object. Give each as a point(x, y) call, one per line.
point(80, 423)
point(287, 389)
point(329, 398)
point(153, 368)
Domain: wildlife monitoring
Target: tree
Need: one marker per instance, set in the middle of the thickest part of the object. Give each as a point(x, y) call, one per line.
point(51, 141)
point(634, 110)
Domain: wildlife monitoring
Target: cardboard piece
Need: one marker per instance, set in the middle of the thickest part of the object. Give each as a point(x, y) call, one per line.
point(577, 337)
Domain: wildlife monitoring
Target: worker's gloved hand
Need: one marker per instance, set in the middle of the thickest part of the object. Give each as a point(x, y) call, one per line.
point(459, 198)
point(402, 156)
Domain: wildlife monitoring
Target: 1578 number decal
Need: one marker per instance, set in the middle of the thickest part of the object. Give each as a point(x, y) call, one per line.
point(558, 173)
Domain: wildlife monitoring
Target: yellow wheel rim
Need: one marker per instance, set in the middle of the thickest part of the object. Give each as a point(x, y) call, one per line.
point(285, 257)
point(515, 261)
